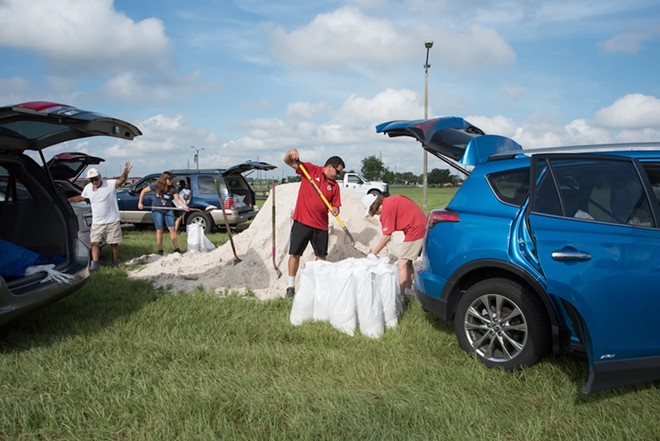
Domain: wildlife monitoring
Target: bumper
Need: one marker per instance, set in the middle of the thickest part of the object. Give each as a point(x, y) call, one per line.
point(426, 285)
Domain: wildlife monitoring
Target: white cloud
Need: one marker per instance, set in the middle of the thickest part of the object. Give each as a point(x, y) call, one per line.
point(89, 35)
point(137, 87)
point(347, 36)
point(305, 110)
point(633, 111)
point(390, 104)
point(625, 43)
point(581, 131)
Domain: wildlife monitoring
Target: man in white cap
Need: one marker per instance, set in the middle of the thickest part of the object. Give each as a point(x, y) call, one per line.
point(399, 213)
point(106, 228)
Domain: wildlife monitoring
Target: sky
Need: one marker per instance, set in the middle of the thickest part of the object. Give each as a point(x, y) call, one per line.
point(238, 80)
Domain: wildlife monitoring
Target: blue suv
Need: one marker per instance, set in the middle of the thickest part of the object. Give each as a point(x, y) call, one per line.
point(545, 251)
point(238, 197)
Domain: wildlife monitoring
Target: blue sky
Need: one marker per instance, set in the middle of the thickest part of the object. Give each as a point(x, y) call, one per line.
point(249, 79)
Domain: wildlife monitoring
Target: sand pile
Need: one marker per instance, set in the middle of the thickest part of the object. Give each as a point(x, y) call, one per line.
point(215, 270)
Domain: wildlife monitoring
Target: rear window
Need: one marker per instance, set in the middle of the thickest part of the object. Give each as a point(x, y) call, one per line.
point(510, 186)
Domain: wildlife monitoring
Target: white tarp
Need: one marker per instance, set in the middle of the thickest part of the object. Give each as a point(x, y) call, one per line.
point(350, 293)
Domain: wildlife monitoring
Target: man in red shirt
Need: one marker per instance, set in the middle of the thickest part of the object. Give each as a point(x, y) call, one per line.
point(399, 213)
point(310, 217)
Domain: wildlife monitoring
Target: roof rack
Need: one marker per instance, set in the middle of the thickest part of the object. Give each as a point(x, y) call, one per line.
point(587, 148)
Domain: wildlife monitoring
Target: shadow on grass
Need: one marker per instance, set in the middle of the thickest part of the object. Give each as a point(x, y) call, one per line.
point(107, 296)
point(574, 367)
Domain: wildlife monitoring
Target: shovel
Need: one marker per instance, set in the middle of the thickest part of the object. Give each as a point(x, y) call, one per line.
point(277, 270)
point(224, 216)
point(327, 204)
point(210, 207)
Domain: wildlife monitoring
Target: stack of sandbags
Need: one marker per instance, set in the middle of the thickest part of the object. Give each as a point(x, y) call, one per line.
point(350, 293)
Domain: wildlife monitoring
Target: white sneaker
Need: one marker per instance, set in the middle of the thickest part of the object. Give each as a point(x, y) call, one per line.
point(408, 293)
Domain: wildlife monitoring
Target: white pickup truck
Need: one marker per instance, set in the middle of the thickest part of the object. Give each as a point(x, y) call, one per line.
point(356, 183)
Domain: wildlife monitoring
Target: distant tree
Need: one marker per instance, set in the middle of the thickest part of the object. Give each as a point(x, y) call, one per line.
point(439, 176)
point(372, 168)
point(388, 176)
point(409, 178)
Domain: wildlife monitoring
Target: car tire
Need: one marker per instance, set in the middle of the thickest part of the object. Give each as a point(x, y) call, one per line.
point(503, 323)
point(375, 193)
point(202, 219)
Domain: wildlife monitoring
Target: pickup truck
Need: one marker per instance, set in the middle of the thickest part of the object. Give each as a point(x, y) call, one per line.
point(356, 183)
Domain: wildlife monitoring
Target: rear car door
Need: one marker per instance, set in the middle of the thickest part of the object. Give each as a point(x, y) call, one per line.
point(594, 224)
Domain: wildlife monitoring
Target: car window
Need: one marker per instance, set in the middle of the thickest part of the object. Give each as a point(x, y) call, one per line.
point(237, 182)
point(510, 186)
point(653, 172)
point(11, 188)
point(145, 183)
point(206, 184)
point(600, 190)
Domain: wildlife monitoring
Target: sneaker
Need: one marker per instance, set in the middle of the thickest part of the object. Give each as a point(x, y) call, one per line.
point(408, 293)
point(114, 264)
point(94, 266)
point(176, 250)
point(290, 292)
point(160, 252)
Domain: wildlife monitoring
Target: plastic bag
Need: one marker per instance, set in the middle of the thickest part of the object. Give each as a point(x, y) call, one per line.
point(197, 241)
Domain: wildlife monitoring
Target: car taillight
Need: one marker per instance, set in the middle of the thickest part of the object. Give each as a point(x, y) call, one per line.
point(437, 216)
point(229, 202)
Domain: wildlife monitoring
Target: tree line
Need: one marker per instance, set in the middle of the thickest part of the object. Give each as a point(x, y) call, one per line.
point(373, 169)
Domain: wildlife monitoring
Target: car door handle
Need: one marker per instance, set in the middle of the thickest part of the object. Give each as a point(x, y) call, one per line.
point(568, 256)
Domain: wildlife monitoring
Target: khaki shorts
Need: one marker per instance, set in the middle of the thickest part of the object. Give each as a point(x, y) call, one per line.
point(105, 233)
point(411, 250)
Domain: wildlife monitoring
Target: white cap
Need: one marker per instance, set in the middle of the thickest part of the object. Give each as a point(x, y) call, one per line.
point(92, 173)
point(367, 201)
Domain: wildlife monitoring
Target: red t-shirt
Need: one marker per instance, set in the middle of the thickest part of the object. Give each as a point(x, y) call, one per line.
point(400, 213)
point(310, 209)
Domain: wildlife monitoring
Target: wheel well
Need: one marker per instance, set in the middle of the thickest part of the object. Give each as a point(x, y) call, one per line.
point(560, 335)
point(207, 218)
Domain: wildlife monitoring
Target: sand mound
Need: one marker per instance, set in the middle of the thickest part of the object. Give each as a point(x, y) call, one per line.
point(215, 270)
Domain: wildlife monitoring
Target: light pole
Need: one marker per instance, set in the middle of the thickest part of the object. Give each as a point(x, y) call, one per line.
point(425, 181)
point(197, 155)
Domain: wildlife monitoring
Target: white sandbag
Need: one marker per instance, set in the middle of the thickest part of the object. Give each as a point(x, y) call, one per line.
point(303, 302)
point(348, 294)
point(371, 319)
point(197, 241)
point(387, 285)
point(323, 288)
point(194, 237)
point(341, 302)
point(207, 245)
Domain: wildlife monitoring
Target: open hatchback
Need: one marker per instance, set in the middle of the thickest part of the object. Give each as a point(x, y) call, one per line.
point(38, 226)
point(545, 251)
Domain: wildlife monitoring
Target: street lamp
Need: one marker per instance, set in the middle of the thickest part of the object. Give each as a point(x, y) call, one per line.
point(197, 155)
point(425, 181)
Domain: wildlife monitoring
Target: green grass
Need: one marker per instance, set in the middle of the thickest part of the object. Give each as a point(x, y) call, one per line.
point(435, 197)
point(119, 360)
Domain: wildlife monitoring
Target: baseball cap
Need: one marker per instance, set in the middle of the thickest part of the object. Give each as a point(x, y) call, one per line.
point(92, 173)
point(367, 201)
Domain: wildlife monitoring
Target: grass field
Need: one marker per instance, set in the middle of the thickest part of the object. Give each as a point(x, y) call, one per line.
point(119, 360)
